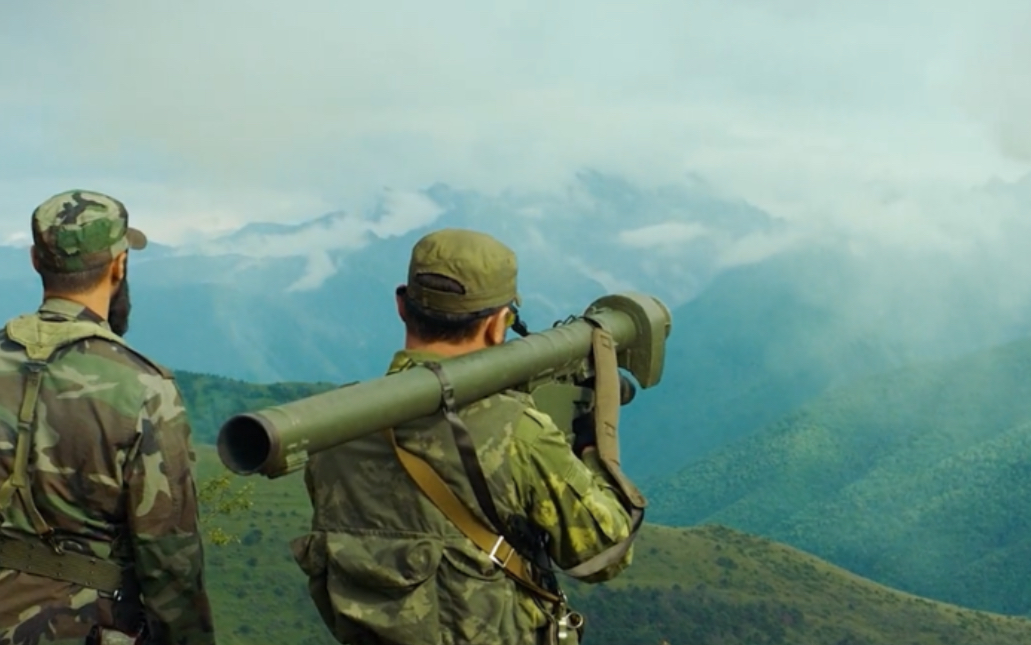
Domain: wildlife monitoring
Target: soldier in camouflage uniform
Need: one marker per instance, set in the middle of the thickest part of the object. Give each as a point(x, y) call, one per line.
point(385, 566)
point(98, 508)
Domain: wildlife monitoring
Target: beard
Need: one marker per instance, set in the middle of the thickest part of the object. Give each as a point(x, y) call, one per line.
point(119, 309)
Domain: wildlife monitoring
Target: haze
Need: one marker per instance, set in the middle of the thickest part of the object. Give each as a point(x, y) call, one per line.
point(204, 116)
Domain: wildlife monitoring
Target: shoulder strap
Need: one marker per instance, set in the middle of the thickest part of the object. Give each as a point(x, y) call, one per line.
point(606, 420)
point(499, 550)
point(606, 413)
point(18, 483)
point(466, 447)
point(40, 340)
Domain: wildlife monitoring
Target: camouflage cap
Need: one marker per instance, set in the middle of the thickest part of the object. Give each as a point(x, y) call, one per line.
point(484, 267)
point(78, 230)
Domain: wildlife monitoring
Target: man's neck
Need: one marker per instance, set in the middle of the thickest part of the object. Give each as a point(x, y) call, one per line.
point(448, 350)
point(95, 301)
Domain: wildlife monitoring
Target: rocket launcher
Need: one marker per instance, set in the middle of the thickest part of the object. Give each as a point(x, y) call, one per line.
point(569, 370)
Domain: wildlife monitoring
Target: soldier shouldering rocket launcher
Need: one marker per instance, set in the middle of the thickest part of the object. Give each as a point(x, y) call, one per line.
point(570, 372)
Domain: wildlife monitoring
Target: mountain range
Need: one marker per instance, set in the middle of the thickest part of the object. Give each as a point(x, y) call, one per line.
point(861, 399)
point(767, 313)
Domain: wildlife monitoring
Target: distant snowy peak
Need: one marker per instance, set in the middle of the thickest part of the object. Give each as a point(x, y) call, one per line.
point(605, 204)
point(594, 206)
point(396, 213)
point(600, 227)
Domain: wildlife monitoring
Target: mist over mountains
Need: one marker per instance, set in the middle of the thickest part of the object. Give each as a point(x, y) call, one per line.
point(314, 301)
point(767, 313)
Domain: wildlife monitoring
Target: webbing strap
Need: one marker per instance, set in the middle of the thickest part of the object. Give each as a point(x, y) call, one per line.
point(606, 420)
point(19, 482)
point(606, 412)
point(38, 558)
point(465, 446)
point(39, 554)
point(499, 550)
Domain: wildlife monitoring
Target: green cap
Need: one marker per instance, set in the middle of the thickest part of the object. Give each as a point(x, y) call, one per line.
point(484, 267)
point(79, 230)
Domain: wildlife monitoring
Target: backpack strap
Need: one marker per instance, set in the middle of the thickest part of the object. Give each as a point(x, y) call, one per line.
point(41, 554)
point(19, 482)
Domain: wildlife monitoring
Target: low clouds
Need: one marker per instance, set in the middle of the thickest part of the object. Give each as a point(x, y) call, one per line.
point(998, 89)
point(169, 213)
point(664, 234)
point(781, 97)
point(319, 239)
point(674, 239)
point(796, 105)
point(398, 213)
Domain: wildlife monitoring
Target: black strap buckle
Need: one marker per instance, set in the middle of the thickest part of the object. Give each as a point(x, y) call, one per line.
point(447, 391)
point(34, 366)
point(50, 538)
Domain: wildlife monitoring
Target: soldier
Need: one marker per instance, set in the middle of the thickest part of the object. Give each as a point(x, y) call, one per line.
point(98, 507)
point(385, 563)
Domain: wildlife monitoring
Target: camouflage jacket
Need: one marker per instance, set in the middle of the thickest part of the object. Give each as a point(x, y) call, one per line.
point(111, 467)
point(385, 565)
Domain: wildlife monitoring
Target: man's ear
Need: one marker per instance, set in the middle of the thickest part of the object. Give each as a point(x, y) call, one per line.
point(496, 328)
point(118, 267)
point(35, 257)
point(399, 298)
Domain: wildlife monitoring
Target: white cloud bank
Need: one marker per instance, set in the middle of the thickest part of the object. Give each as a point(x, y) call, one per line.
point(318, 240)
point(666, 233)
point(798, 105)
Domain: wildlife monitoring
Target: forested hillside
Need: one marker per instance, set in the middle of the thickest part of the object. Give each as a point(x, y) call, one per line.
point(210, 400)
point(920, 479)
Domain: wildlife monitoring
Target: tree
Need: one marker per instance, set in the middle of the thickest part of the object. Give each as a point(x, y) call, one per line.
point(217, 500)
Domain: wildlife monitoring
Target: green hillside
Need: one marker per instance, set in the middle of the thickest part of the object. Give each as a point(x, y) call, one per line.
point(211, 400)
point(699, 586)
point(762, 340)
point(920, 479)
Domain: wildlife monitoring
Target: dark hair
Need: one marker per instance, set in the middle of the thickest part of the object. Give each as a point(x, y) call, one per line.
point(432, 326)
point(71, 283)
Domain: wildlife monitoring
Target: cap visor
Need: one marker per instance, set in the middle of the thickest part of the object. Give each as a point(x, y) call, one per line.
point(137, 240)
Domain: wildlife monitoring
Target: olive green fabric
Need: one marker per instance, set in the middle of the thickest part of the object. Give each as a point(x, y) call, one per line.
point(112, 475)
point(484, 267)
point(383, 562)
point(79, 230)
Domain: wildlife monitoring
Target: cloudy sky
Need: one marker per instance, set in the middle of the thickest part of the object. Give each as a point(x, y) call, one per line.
point(203, 115)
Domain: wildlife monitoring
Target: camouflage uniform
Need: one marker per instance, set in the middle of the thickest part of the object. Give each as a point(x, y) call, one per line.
point(386, 566)
point(109, 457)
